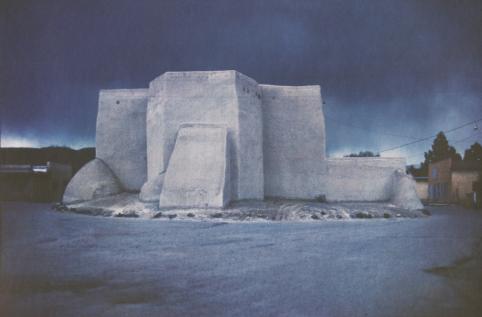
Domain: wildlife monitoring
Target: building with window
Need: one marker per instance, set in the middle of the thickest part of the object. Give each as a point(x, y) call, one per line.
point(454, 181)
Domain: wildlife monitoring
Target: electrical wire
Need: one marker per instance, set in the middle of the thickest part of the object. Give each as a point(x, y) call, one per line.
point(432, 136)
point(332, 119)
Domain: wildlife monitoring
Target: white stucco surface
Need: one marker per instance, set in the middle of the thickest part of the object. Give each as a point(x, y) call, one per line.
point(214, 97)
point(240, 140)
point(250, 170)
point(93, 180)
point(358, 178)
point(121, 135)
point(404, 193)
point(293, 140)
point(198, 171)
point(340, 179)
point(151, 190)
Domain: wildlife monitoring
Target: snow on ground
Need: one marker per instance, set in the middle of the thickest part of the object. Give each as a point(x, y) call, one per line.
point(128, 205)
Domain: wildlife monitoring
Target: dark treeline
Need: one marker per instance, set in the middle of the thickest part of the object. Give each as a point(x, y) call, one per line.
point(441, 150)
point(363, 154)
point(58, 154)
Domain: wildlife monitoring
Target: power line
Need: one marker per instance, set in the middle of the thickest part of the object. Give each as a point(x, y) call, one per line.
point(415, 140)
point(363, 128)
point(450, 142)
point(430, 137)
point(332, 119)
point(466, 138)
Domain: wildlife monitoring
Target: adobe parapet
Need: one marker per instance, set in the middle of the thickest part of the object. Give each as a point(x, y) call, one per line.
point(308, 89)
point(123, 93)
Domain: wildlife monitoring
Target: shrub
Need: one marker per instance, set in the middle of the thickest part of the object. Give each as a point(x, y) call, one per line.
point(321, 198)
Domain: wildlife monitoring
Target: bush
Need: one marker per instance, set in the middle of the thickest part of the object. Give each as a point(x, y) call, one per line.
point(321, 198)
point(363, 215)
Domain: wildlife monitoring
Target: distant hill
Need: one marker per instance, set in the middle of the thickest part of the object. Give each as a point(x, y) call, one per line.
point(58, 154)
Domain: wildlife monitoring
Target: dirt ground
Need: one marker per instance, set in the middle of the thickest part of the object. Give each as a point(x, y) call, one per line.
point(67, 264)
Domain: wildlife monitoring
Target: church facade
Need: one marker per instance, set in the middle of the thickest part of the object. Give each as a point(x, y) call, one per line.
point(204, 139)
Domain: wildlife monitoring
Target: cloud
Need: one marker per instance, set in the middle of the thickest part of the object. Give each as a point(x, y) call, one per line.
point(392, 67)
point(32, 141)
point(16, 141)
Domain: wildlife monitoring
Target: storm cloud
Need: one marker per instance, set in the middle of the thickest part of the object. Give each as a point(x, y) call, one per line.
point(390, 71)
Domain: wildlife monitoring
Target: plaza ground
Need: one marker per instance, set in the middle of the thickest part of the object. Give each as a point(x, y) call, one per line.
point(66, 264)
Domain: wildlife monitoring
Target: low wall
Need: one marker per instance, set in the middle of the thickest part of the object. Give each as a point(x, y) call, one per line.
point(343, 179)
point(359, 178)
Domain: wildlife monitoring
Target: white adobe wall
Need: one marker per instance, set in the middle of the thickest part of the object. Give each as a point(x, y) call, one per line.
point(294, 153)
point(250, 125)
point(293, 140)
point(275, 139)
point(198, 171)
point(357, 178)
point(211, 97)
point(94, 180)
point(121, 135)
point(404, 191)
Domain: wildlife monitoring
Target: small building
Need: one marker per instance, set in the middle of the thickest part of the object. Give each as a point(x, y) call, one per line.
point(454, 181)
point(39, 183)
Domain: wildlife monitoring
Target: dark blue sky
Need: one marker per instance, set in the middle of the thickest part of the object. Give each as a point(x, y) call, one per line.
point(389, 70)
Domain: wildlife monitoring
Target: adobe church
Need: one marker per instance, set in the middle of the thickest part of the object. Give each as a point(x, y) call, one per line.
point(206, 138)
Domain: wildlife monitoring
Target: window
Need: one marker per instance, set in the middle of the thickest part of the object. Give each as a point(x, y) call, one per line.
point(434, 172)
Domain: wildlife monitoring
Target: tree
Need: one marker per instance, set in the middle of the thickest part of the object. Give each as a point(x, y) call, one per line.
point(363, 154)
point(414, 171)
point(441, 150)
point(474, 153)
